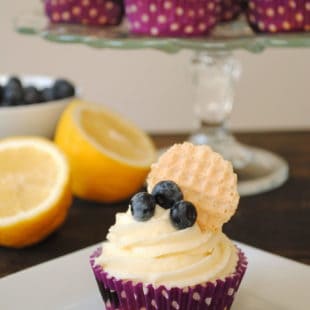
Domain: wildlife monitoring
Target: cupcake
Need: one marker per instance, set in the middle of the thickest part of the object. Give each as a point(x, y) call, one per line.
point(86, 12)
point(171, 18)
point(230, 10)
point(168, 250)
point(279, 15)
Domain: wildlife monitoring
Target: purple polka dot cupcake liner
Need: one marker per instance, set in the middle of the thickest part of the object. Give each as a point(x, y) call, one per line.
point(279, 15)
point(126, 295)
point(230, 10)
point(86, 12)
point(172, 18)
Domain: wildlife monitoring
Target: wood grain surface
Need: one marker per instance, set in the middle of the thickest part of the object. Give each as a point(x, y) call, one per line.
point(277, 221)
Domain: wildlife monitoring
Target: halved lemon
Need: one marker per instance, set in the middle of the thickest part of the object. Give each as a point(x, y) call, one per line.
point(34, 190)
point(109, 156)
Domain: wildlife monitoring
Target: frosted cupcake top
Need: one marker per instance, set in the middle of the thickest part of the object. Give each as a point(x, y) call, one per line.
point(171, 235)
point(154, 252)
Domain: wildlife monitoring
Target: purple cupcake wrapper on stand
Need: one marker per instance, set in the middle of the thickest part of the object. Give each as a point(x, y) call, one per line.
point(126, 295)
point(88, 12)
point(279, 15)
point(174, 18)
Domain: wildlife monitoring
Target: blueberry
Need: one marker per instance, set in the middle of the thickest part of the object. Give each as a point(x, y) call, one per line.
point(167, 193)
point(13, 95)
point(142, 206)
point(31, 95)
point(47, 94)
point(63, 89)
point(14, 81)
point(183, 214)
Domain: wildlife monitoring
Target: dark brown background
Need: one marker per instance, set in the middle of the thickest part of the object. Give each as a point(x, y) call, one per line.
point(277, 221)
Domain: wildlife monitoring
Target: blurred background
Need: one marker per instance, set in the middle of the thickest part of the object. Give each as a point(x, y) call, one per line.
point(273, 92)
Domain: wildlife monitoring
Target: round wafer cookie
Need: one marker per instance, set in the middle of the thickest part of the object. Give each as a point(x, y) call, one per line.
point(205, 178)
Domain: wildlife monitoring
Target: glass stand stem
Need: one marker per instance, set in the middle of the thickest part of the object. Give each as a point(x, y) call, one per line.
point(214, 76)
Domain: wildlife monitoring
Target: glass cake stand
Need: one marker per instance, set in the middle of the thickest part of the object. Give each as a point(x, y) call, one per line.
point(215, 72)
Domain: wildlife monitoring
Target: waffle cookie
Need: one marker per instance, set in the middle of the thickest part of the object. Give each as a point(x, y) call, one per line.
point(205, 178)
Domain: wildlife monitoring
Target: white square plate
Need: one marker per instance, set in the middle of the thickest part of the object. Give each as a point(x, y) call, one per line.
point(271, 283)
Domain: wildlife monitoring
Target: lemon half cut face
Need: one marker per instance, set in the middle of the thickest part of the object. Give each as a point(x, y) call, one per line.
point(109, 156)
point(34, 190)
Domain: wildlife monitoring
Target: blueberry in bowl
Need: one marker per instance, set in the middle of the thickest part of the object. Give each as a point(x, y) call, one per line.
point(32, 104)
point(13, 92)
point(63, 89)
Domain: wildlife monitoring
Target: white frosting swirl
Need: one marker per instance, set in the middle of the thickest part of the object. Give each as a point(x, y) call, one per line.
point(155, 252)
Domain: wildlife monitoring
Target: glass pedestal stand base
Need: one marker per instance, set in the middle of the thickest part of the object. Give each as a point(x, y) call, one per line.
point(215, 75)
point(266, 171)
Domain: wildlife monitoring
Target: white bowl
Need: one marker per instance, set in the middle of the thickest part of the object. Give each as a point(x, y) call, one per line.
point(37, 119)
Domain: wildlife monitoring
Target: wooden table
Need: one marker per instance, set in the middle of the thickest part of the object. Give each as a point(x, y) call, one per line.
point(278, 221)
